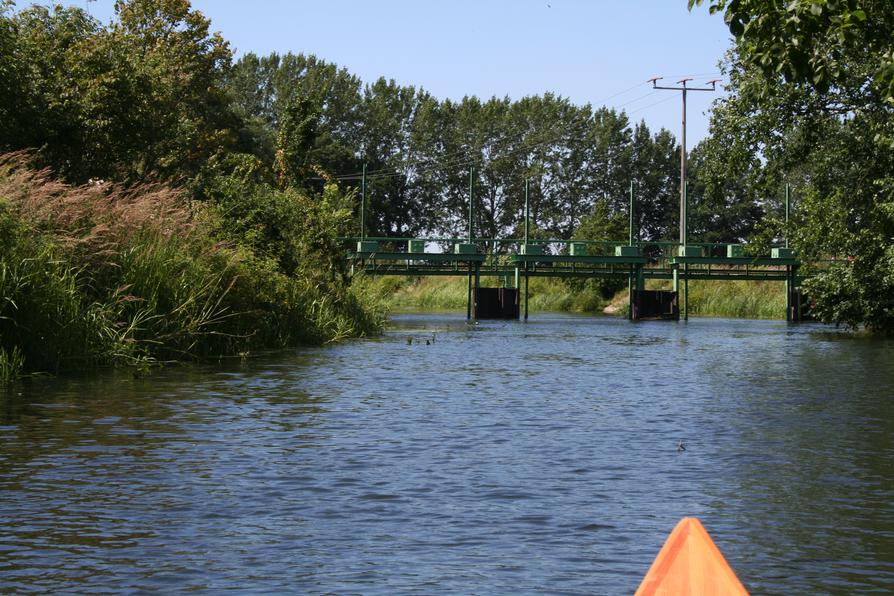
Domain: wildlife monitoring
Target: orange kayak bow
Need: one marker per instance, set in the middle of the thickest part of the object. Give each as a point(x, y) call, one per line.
point(690, 564)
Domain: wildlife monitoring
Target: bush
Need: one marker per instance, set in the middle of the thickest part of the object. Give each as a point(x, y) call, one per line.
point(99, 274)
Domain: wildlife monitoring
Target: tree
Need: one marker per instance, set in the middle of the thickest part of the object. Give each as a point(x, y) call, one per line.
point(655, 175)
point(387, 116)
point(46, 113)
point(723, 206)
point(10, 79)
point(140, 98)
point(262, 88)
point(815, 42)
point(297, 134)
point(810, 101)
point(182, 114)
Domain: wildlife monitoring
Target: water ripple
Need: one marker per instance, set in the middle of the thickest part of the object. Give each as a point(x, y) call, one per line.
point(502, 458)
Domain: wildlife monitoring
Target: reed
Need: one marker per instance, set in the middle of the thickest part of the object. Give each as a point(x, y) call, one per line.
point(12, 364)
point(100, 274)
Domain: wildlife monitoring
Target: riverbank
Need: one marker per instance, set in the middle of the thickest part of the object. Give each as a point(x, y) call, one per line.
point(730, 299)
point(101, 274)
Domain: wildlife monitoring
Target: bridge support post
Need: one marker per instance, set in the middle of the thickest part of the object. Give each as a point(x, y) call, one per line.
point(630, 286)
point(686, 292)
point(676, 273)
point(469, 297)
point(477, 285)
point(526, 291)
point(788, 293)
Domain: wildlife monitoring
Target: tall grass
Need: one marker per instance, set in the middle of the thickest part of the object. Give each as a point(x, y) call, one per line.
point(451, 293)
point(100, 274)
point(733, 299)
point(737, 299)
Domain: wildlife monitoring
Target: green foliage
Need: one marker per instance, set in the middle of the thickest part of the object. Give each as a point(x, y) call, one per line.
point(600, 224)
point(297, 133)
point(722, 205)
point(133, 276)
point(737, 299)
point(153, 95)
point(814, 41)
point(141, 98)
point(810, 104)
point(410, 141)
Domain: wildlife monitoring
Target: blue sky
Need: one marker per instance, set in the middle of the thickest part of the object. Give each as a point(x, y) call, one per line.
point(594, 51)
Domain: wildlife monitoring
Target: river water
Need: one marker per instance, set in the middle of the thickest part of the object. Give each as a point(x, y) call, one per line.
point(498, 458)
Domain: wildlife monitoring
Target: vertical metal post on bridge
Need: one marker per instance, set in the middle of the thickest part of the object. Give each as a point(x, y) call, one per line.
point(527, 215)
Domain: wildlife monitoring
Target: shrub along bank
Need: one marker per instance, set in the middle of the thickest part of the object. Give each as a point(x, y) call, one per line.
point(101, 275)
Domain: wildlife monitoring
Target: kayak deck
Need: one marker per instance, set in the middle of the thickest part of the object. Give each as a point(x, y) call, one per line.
point(690, 564)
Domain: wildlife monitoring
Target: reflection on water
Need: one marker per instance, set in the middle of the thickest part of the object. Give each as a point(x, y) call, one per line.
point(498, 458)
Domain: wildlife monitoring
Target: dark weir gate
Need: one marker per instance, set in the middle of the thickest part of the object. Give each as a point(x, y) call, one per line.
point(515, 261)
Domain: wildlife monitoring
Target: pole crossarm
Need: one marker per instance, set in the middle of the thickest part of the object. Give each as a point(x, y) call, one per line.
point(682, 83)
point(686, 88)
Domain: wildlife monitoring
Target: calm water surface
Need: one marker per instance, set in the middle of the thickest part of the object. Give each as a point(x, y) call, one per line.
point(503, 458)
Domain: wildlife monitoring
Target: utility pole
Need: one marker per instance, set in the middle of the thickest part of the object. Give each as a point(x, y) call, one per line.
point(683, 89)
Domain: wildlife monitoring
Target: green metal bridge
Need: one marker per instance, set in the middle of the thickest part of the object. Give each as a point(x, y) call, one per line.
point(516, 260)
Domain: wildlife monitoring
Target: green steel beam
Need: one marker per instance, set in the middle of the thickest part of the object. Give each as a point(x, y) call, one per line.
point(664, 274)
point(403, 256)
point(759, 261)
point(608, 259)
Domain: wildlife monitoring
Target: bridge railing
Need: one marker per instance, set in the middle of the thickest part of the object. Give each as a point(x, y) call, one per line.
point(657, 251)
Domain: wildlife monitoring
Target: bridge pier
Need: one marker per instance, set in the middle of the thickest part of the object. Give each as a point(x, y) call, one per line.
point(789, 315)
point(469, 296)
point(471, 301)
point(526, 291)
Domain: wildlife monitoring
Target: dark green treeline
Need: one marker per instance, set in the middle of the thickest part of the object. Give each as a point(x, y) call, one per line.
point(419, 151)
point(155, 95)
